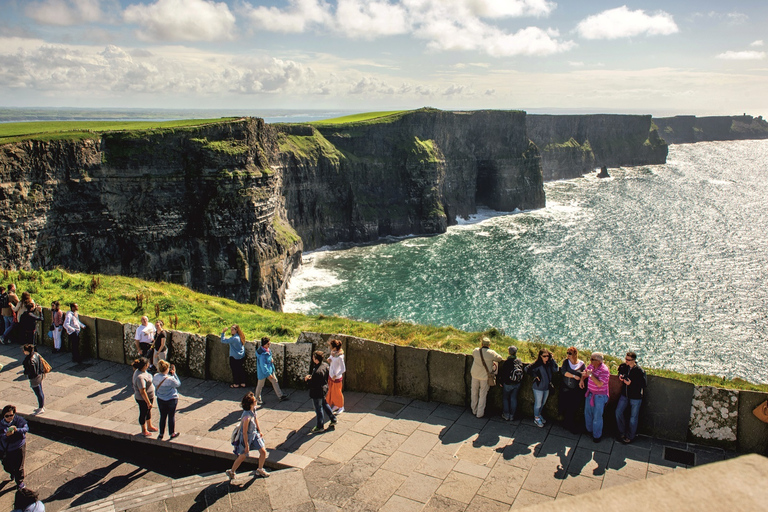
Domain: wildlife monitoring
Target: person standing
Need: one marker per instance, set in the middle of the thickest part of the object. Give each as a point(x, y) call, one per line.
point(236, 355)
point(8, 318)
point(33, 369)
point(166, 383)
point(249, 437)
point(510, 377)
point(145, 335)
point(542, 371)
point(633, 383)
point(73, 325)
point(28, 316)
point(597, 376)
point(159, 344)
point(318, 389)
point(265, 369)
point(337, 368)
point(57, 320)
point(13, 443)
point(571, 395)
point(483, 363)
point(144, 393)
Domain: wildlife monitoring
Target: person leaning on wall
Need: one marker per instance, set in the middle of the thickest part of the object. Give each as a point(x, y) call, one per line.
point(484, 361)
point(633, 383)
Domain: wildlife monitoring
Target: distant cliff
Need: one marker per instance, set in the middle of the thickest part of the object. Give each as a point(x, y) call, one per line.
point(683, 129)
point(572, 145)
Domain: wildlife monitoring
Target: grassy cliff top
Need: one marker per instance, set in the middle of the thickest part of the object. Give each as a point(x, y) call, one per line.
point(376, 117)
point(115, 298)
point(77, 130)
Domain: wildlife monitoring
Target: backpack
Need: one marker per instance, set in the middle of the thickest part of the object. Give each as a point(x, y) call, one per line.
point(517, 372)
point(236, 433)
point(44, 365)
point(4, 300)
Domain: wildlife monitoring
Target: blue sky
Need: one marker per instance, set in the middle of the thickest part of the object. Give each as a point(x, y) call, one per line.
point(673, 57)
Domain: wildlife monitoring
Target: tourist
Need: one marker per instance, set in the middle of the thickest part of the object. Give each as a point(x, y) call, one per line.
point(483, 366)
point(249, 437)
point(145, 335)
point(73, 325)
point(33, 369)
point(160, 344)
point(337, 367)
point(236, 355)
point(571, 395)
point(28, 316)
point(318, 389)
point(510, 377)
point(542, 370)
point(166, 381)
point(9, 301)
point(27, 500)
point(144, 393)
point(597, 376)
point(633, 383)
point(57, 321)
point(265, 369)
point(13, 444)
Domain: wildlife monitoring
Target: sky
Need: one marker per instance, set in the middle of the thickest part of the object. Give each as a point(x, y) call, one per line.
point(639, 56)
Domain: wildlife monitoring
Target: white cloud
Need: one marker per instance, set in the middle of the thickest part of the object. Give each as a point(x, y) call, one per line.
point(621, 22)
point(745, 55)
point(759, 42)
point(295, 19)
point(65, 12)
point(369, 19)
point(182, 20)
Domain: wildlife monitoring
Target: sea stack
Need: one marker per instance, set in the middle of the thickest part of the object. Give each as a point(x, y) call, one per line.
point(603, 172)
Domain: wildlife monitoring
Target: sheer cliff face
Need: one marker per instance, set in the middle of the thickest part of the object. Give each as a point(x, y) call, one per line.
point(683, 129)
point(572, 145)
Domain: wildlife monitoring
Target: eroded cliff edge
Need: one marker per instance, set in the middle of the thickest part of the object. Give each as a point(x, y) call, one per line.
point(685, 129)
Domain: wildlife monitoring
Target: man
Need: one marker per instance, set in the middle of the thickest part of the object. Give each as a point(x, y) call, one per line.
point(145, 336)
point(482, 368)
point(73, 325)
point(318, 389)
point(8, 301)
point(510, 377)
point(633, 383)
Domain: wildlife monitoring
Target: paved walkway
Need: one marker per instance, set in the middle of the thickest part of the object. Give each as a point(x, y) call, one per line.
point(386, 453)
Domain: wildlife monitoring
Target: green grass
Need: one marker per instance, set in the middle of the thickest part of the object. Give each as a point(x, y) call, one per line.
point(76, 130)
point(357, 118)
point(114, 298)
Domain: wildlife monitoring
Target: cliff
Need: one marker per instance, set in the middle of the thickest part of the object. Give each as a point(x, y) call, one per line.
point(572, 145)
point(684, 129)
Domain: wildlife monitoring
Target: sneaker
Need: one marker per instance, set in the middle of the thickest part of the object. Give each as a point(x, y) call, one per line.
point(262, 472)
point(316, 430)
point(339, 410)
point(282, 399)
point(39, 410)
point(543, 420)
point(505, 417)
point(538, 422)
point(174, 435)
point(231, 474)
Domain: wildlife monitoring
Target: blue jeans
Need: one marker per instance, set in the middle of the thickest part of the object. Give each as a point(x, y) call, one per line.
point(539, 399)
point(8, 324)
point(593, 415)
point(509, 398)
point(634, 414)
point(320, 406)
point(40, 396)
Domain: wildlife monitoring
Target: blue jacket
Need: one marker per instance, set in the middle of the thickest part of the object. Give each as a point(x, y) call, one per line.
point(542, 374)
point(264, 365)
point(18, 439)
point(236, 347)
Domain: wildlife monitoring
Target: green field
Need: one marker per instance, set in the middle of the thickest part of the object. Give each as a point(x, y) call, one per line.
point(358, 118)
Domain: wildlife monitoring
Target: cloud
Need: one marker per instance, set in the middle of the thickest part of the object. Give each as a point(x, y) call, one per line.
point(182, 20)
point(759, 42)
point(297, 18)
point(65, 12)
point(745, 55)
point(370, 19)
point(621, 22)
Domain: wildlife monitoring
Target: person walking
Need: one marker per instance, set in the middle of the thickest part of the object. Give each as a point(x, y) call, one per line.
point(249, 437)
point(236, 355)
point(8, 302)
point(597, 377)
point(166, 383)
point(33, 369)
point(633, 383)
point(144, 393)
point(483, 364)
point(542, 370)
point(159, 344)
point(73, 325)
point(13, 444)
point(337, 368)
point(510, 377)
point(318, 389)
point(571, 395)
point(145, 335)
point(57, 321)
point(265, 370)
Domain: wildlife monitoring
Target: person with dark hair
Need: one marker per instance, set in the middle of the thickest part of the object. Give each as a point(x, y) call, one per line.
point(33, 369)
point(248, 437)
point(633, 383)
point(144, 393)
point(336, 369)
point(8, 302)
point(166, 381)
point(542, 370)
point(318, 389)
point(73, 325)
point(13, 443)
point(265, 370)
point(571, 395)
point(159, 345)
point(57, 322)
point(27, 500)
point(510, 378)
point(28, 315)
point(236, 355)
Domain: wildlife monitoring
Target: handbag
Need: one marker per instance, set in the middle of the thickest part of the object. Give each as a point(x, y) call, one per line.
point(761, 412)
point(45, 367)
point(491, 375)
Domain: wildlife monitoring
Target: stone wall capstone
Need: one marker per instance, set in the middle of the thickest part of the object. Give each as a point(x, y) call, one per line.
point(129, 343)
point(88, 337)
point(217, 355)
point(411, 375)
point(177, 351)
point(370, 366)
point(110, 344)
point(446, 377)
point(196, 356)
point(298, 357)
point(278, 359)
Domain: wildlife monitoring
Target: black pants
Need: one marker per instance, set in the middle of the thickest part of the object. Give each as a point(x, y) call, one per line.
point(74, 346)
point(167, 412)
point(238, 370)
point(145, 413)
point(570, 401)
point(13, 463)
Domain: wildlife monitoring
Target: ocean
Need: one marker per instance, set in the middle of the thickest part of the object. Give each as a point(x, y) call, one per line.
point(668, 260)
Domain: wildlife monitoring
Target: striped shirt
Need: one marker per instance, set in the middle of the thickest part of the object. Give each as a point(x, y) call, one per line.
point(601, 373)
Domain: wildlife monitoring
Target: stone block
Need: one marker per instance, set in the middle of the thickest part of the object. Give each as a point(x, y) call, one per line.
point(278, 359)
point(217, 359)
point(753, 433)
point(109, 341)
point(411, 375)
point(196, 356)
point(298, 357)
point(44, 329)
point(446, 377)
point(129, 343)
point(250, 363)
point(88, 337)
point(318, 340)
point(370, 366)
point(666, 409)
point(714, 416)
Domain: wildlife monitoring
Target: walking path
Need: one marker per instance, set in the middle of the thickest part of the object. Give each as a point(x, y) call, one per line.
point(386, 453)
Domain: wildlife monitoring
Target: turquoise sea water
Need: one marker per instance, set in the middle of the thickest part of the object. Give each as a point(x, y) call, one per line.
point(668, 260)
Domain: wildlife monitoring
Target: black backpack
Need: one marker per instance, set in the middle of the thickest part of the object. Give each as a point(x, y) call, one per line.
point(517, 372)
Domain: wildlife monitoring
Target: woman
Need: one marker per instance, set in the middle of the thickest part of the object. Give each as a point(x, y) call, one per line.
point(166, 381)
point(265, 369)
point(318, 389)
point(159, 346)
point(542, 371)
point(73, 326)
point(27, 500)
point(335, 398)
point(571, 396)
point(144, 393)
point(57, 320)
point(249, 437)
point(236, 355)
point(596, 375)
point(13, 443)
point(33, 369)
point(28, 314)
